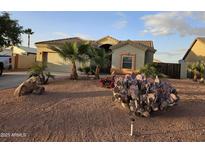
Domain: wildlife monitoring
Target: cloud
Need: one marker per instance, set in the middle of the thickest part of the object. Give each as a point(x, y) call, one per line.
point(121, 14)
point(170, 56)
point(84, 36)
point(200, 16)
point(121, 22)
point(64, 35)
point(61, 34)
point(176, 52)
point(168, 23)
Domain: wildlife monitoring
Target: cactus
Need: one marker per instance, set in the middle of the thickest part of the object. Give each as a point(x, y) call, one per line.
point(144, 95)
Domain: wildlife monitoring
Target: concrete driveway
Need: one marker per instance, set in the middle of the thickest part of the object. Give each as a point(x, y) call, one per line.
point(12, 79)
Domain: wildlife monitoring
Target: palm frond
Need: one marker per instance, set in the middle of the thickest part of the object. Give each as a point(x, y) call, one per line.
point(72, 51)
point(100, 57)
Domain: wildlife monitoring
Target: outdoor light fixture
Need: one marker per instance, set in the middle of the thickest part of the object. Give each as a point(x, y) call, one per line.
point(132, 119)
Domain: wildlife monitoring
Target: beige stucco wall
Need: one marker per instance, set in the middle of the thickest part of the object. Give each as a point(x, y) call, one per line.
point(25, 61)
point(17, 50)
point(127, 50)
point(55, 62)
point(40, 49)
point(183, 70)
point(149, 56)
point(197, 52)
point(107, 40)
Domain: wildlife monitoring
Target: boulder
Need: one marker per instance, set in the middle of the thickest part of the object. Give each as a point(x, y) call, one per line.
point(29, 86)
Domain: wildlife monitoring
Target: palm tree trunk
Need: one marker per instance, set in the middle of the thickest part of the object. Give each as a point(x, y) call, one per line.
point(97, 72)
point(195, 76)
point(74, 74)
point(28, 40)
point(201, 77)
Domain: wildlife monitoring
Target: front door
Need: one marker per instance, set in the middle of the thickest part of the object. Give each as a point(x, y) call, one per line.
point(45, 58)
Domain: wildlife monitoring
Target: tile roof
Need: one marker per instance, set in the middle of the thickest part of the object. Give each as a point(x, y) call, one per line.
point(78, 39)
point(201, 38)
point(28, 49)
point(108, 37)
point(146, 42)
point(139, 44)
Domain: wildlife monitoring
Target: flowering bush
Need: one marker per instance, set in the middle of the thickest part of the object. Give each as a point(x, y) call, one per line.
point(107, 82)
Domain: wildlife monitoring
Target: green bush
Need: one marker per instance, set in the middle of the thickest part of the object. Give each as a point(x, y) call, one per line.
point(197, 69)
point(87, 70)
point(149, 70)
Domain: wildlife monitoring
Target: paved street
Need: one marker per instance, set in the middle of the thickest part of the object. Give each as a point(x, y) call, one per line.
point(11, 79)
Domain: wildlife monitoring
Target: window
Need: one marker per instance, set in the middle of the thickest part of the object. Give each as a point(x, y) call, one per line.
point(127, 62)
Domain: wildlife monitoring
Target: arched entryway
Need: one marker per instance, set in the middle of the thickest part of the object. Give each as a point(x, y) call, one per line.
point(106, 47)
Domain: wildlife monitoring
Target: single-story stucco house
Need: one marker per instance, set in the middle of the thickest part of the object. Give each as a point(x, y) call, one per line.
point(20, 50)
point(126, 56)
point(22, 57)
point(196, 52)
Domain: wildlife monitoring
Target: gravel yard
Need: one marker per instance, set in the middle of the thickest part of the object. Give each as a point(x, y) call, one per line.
point(83, 111)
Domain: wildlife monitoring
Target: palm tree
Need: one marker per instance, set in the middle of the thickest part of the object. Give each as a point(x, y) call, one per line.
point(193, 68)
point(29, 32)
point(201, 69)
point(99, 58)
point(73, 51)
point(197, 68)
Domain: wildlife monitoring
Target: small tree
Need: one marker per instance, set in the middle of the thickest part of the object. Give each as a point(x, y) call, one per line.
point(29, 32)
point(10, 31)
point(99, 58)
point(193, 69)
point(38, 71)
point(73, 51)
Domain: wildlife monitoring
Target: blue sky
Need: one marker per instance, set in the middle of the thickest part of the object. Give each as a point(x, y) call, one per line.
point(171, 32)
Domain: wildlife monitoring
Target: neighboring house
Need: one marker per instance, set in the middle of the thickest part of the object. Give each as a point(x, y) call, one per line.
point(126, 56)
point(196, 52)
point(22, 57)
point(20, 50)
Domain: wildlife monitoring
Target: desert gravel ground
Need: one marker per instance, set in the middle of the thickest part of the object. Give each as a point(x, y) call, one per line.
point(83, 111)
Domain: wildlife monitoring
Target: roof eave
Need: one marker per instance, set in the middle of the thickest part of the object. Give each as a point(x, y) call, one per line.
point(186, 54)
point(139, 45)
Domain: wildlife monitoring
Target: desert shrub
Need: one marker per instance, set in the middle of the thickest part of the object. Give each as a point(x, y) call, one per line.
point(80, 69)
point(149, 70)
point(197, 69)
point(39, 71)
point(87, 70)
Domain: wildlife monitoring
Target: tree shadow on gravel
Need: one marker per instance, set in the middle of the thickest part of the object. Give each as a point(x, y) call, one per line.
point(191, 92)
point(183, 109)
point(148, 133)
point(76, 95)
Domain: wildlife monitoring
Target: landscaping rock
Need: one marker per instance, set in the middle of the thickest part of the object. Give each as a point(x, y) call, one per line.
point(39, 91)
point(29, 86)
